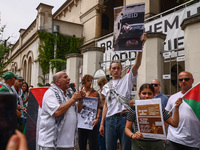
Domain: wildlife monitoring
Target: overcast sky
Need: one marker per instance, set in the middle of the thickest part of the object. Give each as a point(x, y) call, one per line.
point(17, 14)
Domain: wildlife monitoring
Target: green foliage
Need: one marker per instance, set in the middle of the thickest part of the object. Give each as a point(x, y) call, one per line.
point(65, 45)
point(59, 64)
point(46, 50)
point(43, 82)
point(3, 51)
point(3, 63)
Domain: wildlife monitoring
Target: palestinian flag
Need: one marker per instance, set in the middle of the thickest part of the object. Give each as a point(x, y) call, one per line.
point(34, 104)
point(192, 98)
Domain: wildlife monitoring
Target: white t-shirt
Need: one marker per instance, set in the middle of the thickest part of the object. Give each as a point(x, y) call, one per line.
point(188, 131)
point(47, 123)
point(123, 86)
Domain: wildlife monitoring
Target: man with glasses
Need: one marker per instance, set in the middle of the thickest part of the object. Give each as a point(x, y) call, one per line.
point(158, 94)
point(186, 135)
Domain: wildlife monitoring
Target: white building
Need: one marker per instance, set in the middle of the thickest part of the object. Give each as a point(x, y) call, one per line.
point(93, 21)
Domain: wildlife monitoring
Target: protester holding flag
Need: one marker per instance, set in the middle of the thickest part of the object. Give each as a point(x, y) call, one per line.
point(187, 135)
point(118, 92)
point(58, 120)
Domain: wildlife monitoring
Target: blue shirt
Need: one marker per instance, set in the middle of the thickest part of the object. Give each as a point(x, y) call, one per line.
point(164, 99)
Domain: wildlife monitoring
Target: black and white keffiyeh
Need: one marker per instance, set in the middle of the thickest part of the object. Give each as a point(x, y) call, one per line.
point(59, 120)
point(8, 87)
point(19, 95)
point(122, 99)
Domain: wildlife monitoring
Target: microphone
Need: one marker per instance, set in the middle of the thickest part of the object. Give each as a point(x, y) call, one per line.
point(72, 86)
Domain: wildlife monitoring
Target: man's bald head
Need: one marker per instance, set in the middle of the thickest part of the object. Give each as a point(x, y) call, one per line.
point(57, 76)
point(156, 86)
point(186, 72)
point(156, 80)
point(62, 80)
point(185, 80)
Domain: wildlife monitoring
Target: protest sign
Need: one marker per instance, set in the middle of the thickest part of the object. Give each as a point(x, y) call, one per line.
point(88, 113)
point(128, 27)
point(150, 118)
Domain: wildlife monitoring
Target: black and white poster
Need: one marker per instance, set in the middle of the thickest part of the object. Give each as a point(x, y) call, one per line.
point(128, 27)
point(88, 113)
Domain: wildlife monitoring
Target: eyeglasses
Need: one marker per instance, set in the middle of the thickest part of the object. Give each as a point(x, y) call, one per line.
point(155, 85)
point(186, 79)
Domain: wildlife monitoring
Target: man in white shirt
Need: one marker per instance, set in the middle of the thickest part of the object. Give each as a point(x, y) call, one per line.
point(58, 121)
point(114, 112)
point(187, 135)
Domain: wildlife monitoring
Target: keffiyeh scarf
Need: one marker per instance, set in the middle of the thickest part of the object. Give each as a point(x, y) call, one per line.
point(8, 87)
point(59, 120)
point(122, 99)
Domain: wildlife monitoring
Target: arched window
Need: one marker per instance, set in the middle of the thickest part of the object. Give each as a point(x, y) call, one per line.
point(24, 70)
point(29, 71)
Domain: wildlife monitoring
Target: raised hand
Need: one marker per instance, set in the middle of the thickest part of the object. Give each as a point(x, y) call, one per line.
point(143, 37)
point(178, 102)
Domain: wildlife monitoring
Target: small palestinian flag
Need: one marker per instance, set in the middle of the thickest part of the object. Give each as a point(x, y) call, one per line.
point(192, 98)
point(34, 104)
point(128, 70)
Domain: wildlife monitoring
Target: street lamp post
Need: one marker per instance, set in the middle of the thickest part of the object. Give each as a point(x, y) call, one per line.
point(56, 31)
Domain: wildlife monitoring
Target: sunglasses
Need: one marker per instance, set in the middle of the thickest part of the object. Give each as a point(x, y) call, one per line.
point(155, 85)
point(186, 79)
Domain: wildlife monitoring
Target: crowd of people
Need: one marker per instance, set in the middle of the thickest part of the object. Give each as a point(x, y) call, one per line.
point(15, 84)
point(114, 117)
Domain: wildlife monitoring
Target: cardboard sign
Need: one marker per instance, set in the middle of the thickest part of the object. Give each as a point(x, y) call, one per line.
point(150, 118)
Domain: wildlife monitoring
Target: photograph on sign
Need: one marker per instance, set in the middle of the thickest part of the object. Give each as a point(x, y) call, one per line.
point(128, 27)
point(150, 119)
point(88, 113)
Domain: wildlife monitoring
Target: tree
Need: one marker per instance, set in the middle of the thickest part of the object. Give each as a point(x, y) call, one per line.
point(3, 50)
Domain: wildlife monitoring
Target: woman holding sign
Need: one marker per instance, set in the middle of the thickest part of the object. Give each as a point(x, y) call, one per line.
point(139, 143)
point(85, 134)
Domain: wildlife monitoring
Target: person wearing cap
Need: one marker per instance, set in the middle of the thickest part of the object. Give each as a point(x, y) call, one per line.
point(17, 89)
point(9, 78)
